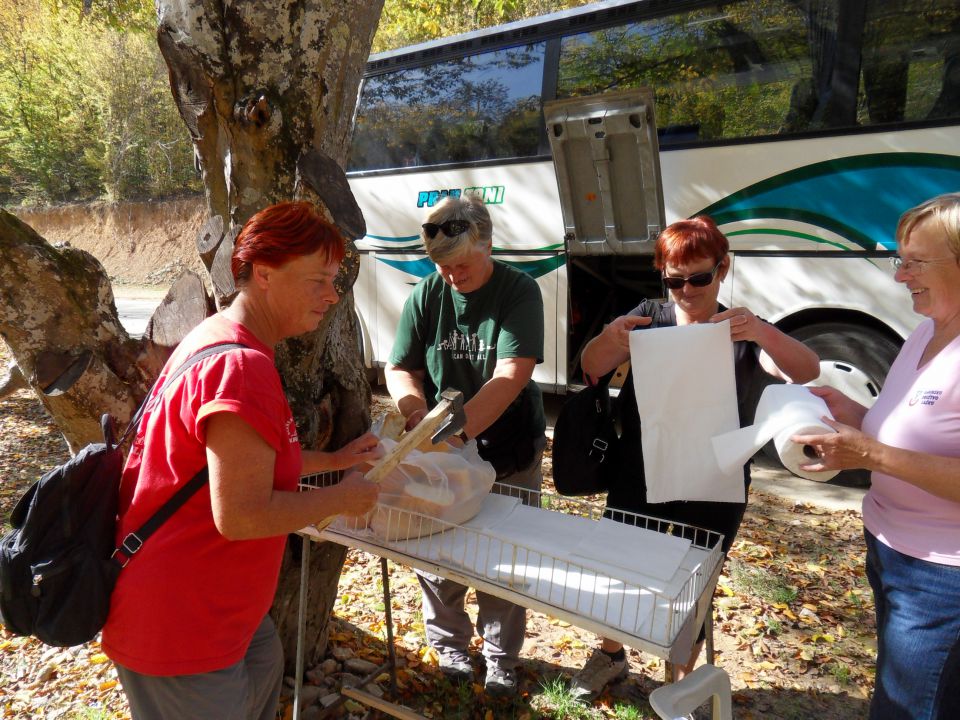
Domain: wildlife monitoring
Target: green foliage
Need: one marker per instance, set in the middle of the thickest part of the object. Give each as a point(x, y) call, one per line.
point(85, 107)
point(122, 15)
point(407, 22)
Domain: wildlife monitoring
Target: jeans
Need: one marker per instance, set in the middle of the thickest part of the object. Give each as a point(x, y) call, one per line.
point(918, 635)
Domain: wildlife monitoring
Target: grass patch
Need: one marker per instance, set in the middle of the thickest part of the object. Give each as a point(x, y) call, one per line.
point(760, 583)
point(557, 702)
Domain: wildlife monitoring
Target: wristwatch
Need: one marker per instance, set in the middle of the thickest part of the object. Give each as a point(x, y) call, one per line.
point(463, 436)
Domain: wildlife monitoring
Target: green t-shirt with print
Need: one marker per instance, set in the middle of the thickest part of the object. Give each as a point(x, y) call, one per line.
point(458, 338)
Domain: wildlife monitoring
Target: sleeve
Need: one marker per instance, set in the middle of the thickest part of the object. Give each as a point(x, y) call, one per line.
point(247, 384)
point(409, 348)
point(521, 331)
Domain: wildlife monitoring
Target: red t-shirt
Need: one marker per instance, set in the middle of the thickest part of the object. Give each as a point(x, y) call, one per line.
point(190, 600)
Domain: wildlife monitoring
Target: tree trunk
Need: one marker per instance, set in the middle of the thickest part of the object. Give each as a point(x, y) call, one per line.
point(267, 91)
point(58, 317)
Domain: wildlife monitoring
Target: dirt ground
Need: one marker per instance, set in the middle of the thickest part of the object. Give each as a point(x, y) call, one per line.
point(794, 615)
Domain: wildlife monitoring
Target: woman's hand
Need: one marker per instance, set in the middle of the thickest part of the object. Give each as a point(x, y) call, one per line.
point(414, 418)
point(365, 448)
point(781, 356)
point(845, 449)
point(617, 333)
point(843, 409)
point(744, 325)
point(357, 495)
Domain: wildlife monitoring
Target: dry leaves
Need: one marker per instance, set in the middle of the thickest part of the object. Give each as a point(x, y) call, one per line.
point(794, 622)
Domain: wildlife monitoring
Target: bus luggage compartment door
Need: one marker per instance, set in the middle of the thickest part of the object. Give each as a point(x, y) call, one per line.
point(606, 158)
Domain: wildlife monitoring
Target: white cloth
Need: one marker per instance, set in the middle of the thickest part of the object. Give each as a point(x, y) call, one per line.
point(686, 393)
point(783, 411)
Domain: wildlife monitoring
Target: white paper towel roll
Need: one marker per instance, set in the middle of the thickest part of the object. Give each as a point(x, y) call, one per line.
point(783, 411)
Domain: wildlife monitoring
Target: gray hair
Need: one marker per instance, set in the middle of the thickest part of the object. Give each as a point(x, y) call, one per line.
point(471, 208)
point(945, 209)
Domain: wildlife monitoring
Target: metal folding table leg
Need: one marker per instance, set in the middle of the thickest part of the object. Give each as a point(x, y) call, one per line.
point(301, 624)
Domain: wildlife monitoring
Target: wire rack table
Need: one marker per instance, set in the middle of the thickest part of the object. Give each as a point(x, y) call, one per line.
point(642, 581)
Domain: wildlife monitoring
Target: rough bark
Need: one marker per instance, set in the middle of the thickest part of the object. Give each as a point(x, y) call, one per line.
point(58, 317)
point(261, 86)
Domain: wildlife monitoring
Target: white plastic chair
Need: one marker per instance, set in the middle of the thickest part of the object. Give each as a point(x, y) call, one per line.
point(678, 700)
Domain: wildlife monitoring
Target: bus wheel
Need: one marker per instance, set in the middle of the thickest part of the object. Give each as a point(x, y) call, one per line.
point(855, 360)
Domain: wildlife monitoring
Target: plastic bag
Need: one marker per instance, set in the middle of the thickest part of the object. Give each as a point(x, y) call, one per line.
point(446, 485)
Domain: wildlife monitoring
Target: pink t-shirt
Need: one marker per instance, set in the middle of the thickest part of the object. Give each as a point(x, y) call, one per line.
point(190, 600)
point(918, 409)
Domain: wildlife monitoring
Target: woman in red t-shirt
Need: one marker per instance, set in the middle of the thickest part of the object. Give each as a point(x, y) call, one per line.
point(188, 626)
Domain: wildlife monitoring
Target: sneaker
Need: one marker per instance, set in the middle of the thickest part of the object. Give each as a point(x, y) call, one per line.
point(500, 681)
point(599, 671)
point(455, 664)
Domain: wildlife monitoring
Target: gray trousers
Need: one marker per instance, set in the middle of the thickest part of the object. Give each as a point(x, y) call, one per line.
point(247, 690)
point(500, 623)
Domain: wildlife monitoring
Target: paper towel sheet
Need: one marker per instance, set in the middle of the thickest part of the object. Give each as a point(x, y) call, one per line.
point(632, 548)
point(783, 411)
point(686, 393)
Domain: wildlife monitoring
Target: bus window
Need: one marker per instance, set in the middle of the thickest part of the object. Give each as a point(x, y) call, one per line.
point(725, 72)
point(480, 107)
point(911, 62)
point(744, 69)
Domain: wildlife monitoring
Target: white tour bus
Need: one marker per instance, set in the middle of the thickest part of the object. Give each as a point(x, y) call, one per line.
point(803, 129)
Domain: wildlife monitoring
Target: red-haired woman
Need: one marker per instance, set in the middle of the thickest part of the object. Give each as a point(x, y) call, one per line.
point(188, 626)
point(692, 257)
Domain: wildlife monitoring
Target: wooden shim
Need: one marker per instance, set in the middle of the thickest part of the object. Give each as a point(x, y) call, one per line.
point(220, 272)
point(208, 239)
point(321, 174)
point(184, 307)
point(12, 380)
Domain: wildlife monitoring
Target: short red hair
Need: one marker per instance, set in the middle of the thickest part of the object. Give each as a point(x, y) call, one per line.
point(687, 241)
point(280, 233)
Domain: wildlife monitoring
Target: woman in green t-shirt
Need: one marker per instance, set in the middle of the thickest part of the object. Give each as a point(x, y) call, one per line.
point(475, 325)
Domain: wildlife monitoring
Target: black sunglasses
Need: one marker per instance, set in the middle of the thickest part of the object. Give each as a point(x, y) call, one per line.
point(450, 228)
point(701, 279)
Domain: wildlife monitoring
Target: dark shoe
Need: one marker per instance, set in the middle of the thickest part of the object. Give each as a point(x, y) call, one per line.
point(500, 681)
point(455, 664)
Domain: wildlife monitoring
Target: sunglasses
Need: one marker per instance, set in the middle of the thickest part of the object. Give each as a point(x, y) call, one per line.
point(701, 279)
point(450, 228)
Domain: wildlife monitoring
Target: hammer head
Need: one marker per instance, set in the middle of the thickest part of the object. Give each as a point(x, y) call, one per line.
point(456, 419)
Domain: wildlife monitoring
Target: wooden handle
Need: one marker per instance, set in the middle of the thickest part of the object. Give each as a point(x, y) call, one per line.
point(392, 709)
point(410, 440)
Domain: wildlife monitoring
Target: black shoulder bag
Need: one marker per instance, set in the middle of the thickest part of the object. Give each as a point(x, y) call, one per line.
point(59, 564)
point(585, 441)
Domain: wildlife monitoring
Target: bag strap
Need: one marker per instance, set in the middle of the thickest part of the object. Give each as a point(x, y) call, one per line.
point(134, 541)
point(187, 364)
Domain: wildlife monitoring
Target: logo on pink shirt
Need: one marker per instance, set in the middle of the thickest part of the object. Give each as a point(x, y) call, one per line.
point(291, 431)
point(925, 397)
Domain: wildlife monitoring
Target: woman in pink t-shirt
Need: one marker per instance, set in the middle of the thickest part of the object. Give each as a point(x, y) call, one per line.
point(188, 626)
point(910, 440)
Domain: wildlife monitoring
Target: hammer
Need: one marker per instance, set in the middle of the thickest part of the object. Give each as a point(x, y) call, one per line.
point(445, 420)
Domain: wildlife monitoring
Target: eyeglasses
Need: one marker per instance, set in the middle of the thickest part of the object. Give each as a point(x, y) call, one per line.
point(700, 279)
point(915, 267)
point(450, 228)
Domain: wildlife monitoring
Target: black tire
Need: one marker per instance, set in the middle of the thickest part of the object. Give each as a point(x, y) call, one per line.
point(858, 355)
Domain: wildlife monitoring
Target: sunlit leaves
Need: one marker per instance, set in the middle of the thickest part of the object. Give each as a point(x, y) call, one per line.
point(85, 106)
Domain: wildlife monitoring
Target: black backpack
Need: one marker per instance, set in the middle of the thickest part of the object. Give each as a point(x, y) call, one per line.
point(59, 564)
